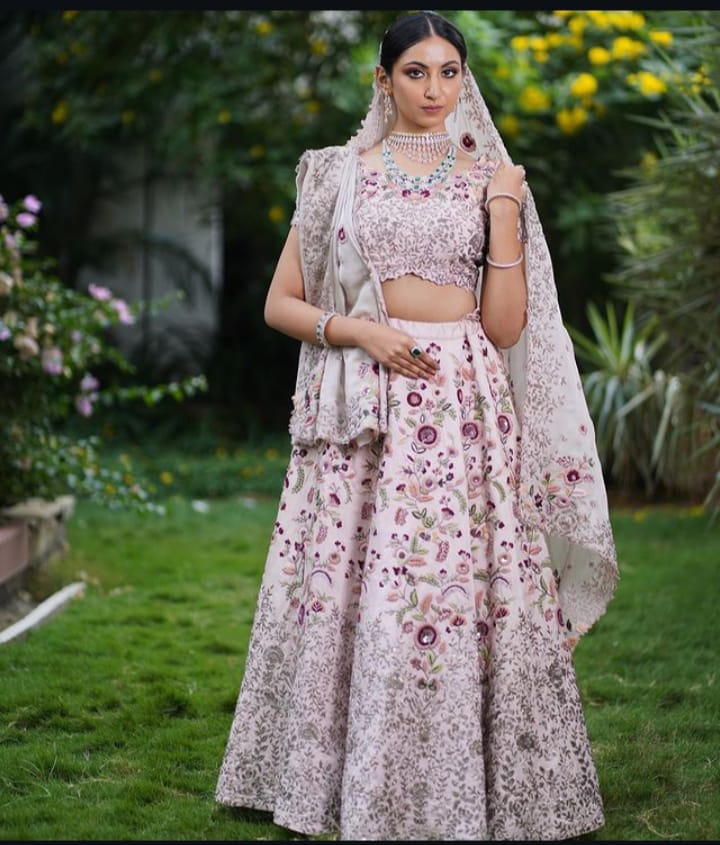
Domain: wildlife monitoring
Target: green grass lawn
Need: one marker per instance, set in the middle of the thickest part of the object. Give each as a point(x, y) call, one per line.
point(114, 714)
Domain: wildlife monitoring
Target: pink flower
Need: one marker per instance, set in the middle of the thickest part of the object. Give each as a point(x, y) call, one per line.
point(9, 240)
point(83, 406)
point(100, 293)
point(25, 219)
point(52, 361)
point(3, 209)
point(32, 203)
point(4, 331)
point(123, 311)
point(89, 383)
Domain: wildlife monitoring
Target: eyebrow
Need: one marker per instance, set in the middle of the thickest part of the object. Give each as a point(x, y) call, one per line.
point(420, 64)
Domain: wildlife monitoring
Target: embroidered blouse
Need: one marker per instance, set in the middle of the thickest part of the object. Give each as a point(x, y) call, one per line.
point(439, 233)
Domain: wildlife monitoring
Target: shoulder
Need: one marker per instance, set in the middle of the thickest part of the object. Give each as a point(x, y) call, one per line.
point(482, 170)
point(322, 157)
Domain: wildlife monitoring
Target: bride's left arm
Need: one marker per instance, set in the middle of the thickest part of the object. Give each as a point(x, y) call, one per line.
point(503, 299)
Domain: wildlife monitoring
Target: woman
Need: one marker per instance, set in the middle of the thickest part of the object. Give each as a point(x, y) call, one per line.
point(442, 538)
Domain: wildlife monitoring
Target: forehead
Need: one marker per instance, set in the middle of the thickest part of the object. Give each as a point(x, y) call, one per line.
point(432, 50)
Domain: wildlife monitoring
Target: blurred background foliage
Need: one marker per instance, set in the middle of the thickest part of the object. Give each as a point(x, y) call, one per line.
point(614, 115)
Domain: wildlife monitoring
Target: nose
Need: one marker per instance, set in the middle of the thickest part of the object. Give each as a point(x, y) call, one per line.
point(431, 91)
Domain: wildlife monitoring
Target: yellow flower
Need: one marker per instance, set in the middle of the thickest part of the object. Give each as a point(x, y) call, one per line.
point(319, 47)
point(541, 56)
point(640, 515)
point(224, 116)
point(659, 36)
point(78, 48)
point(563, 13)
point(600, 109)
point(60, 112)
point(533, 99)
point(271, 454)
point(598, 56)
point(155, 74)
point(166, 477)
point(577, 25)
point(110, 489)
point(575, 41)
point(626, 48)
point(598, 18)
point(313, 106)
point(648, 161)
point(263, 27)
point(128, 479)
point(520, 42)
point(537, 42)
point(276, 214)
point(257, 151)
point(635, 20)
point(68, 15)
point(221, 452)
point(649, 84)
point(509, 125)
point(502, 71)
point(570, 120)
point(128, 117)
point(583, 85)
point(554, 39)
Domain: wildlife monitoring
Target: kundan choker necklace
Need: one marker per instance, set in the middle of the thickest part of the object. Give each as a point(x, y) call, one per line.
point(416, 183)
point(423, 147)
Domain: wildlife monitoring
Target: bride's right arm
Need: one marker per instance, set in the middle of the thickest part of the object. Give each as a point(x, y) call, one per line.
point(287, 311)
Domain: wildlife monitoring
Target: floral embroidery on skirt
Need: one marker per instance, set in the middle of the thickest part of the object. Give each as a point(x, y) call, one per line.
point(408, 674)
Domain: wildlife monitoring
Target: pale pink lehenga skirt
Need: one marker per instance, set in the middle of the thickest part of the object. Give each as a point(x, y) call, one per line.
point(407, 675)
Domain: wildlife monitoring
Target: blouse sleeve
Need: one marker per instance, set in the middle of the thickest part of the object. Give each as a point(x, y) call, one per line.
point(481, 173)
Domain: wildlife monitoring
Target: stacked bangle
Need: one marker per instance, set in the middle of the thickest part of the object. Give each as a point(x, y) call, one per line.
point(320, 327)
point(502, 265)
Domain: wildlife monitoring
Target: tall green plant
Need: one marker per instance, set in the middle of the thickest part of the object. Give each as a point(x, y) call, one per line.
point(667, 224)
point(640, 411)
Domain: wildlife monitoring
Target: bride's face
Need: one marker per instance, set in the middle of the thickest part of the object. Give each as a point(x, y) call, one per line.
point(425, 83)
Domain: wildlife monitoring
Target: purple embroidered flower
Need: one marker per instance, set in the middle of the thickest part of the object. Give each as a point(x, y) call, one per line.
point(471, 431)
point(467, 142)
point(427, 435)
point(407, 628)
point(405, 193)
point(482, 628)
point(443, 549)
point(414, 398)
point(457, 621)
point(426, 636)
point(342, 235)
point(301, 614)
point(561, 621)
point(504, 424)
point(562, 501)
point(572, 475)
point(400, 516)
point(317, 606)
point(425, 193)
point(501, 611)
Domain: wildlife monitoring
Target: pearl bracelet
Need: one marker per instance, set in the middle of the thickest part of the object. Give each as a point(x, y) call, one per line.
point(320, 327)
point(503, 194)
point(504, 266)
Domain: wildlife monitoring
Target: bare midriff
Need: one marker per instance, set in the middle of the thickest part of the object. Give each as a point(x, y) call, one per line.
point(414, 298)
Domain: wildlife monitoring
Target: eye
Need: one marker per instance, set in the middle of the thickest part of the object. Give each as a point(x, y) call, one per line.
point(411, 73)
point(450, 72)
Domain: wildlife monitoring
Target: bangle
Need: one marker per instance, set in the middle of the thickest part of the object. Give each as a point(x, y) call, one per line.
point(320, 327)
point(503, 266)
point(503, 194)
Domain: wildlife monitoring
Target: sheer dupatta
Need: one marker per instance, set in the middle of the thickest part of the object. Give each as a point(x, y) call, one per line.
point(341, 393)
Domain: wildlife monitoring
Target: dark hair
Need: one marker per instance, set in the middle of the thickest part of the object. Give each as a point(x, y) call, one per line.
point(408, 30)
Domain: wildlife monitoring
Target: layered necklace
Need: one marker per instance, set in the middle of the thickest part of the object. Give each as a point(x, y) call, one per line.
point(417, 183)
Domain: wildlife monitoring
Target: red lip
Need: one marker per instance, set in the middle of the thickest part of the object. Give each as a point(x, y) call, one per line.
point(432, 108)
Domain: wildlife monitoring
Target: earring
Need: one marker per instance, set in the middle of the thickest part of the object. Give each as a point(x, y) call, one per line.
point(387, 106)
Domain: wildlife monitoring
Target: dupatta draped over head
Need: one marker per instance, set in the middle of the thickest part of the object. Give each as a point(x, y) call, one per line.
point(341, 393)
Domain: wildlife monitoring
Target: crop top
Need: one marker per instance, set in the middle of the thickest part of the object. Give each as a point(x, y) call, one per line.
point(438, 234)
